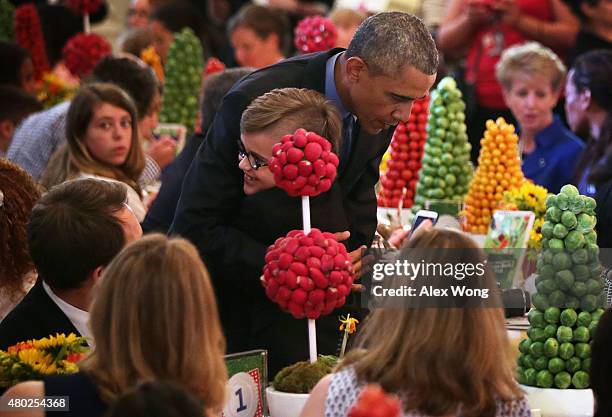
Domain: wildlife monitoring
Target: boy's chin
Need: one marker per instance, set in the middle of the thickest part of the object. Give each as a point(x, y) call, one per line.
point(250, 189)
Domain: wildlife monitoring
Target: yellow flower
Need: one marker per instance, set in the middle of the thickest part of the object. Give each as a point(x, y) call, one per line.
point(38, 360)
point(59, 339)
point(349, 322)
point(152, 59)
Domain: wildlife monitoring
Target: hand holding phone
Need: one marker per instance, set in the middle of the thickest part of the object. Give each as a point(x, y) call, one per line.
point(420, 217)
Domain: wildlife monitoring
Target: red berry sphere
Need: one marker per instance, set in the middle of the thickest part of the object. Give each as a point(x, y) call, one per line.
point(83, 51)
point(405, 162)
point(303, 164)
point(308, 275)
point(315, 34)
point(374, 402)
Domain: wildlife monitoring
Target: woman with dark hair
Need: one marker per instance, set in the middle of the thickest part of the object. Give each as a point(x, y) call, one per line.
point(17, 68)
point(259, 36)
point(102, 142)
point(588, 104)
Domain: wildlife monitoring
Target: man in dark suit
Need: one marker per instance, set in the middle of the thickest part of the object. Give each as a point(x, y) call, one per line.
point(391, 61)
point(73, 232)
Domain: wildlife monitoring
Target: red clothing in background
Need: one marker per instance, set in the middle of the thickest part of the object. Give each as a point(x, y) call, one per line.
point(487, 47)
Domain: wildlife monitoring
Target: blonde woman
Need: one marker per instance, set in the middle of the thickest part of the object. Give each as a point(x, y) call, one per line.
point(439, 361)
point(154, 317)
point(102, 142)
point(531, 76)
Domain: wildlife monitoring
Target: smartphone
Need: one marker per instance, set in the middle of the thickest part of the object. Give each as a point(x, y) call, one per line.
point(422, 215)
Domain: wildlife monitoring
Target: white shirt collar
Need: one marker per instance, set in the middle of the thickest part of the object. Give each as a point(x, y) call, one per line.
point(79, 318)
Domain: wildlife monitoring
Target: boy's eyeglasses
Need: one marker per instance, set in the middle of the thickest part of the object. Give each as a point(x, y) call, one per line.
point(254, 161)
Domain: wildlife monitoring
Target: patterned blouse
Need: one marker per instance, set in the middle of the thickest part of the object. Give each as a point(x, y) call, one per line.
point(345, 388)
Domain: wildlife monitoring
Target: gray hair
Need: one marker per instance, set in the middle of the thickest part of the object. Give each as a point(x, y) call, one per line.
point(387, 42)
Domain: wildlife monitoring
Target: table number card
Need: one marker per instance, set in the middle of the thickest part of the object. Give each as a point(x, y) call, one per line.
point(248, 374)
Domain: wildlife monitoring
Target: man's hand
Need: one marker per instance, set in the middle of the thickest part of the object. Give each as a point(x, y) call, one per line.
point(356, 258)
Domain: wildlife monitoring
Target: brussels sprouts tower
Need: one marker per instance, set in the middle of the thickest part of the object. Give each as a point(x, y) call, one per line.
point(568, 304)
point(446, 168)
point(183, 73)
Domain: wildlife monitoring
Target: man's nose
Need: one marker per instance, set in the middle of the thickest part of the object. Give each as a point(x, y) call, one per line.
point(402, 113)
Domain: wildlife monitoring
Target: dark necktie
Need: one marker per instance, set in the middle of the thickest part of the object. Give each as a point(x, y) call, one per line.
point(348, 132)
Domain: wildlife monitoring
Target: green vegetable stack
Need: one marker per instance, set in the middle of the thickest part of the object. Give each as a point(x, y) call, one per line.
point(446, 171)
point(183, 80)
point(557, 352)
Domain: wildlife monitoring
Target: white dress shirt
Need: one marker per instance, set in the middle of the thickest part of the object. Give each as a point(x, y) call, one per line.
point(79, 318)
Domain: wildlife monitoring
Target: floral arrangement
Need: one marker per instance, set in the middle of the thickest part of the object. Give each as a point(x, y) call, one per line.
point(84, 6)
point(529, 197)
point(31, 360)
point(152, 59)
point(53, 90)
point(28, 34)
point(83, 51)
point(6, 21)
point(315, 34)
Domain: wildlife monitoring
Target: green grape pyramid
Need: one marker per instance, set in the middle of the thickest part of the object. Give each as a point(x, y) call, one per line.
point(183, 71)
point(446, 168)
point(569, 299)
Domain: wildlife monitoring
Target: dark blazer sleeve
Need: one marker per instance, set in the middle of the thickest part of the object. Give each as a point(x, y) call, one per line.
point(160, 214)
point(360, 201)
point(361, 206)
point(212, 192)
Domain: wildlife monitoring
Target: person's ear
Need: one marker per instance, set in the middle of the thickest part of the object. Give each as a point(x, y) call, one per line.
point(584, 99)
point(272, 40)
point(96, 275)
point(355, 68)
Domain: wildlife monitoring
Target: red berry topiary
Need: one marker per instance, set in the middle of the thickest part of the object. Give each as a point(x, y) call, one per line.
point(83, 51)
point(303, 164)
point(308, 275)
point(315, 34)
